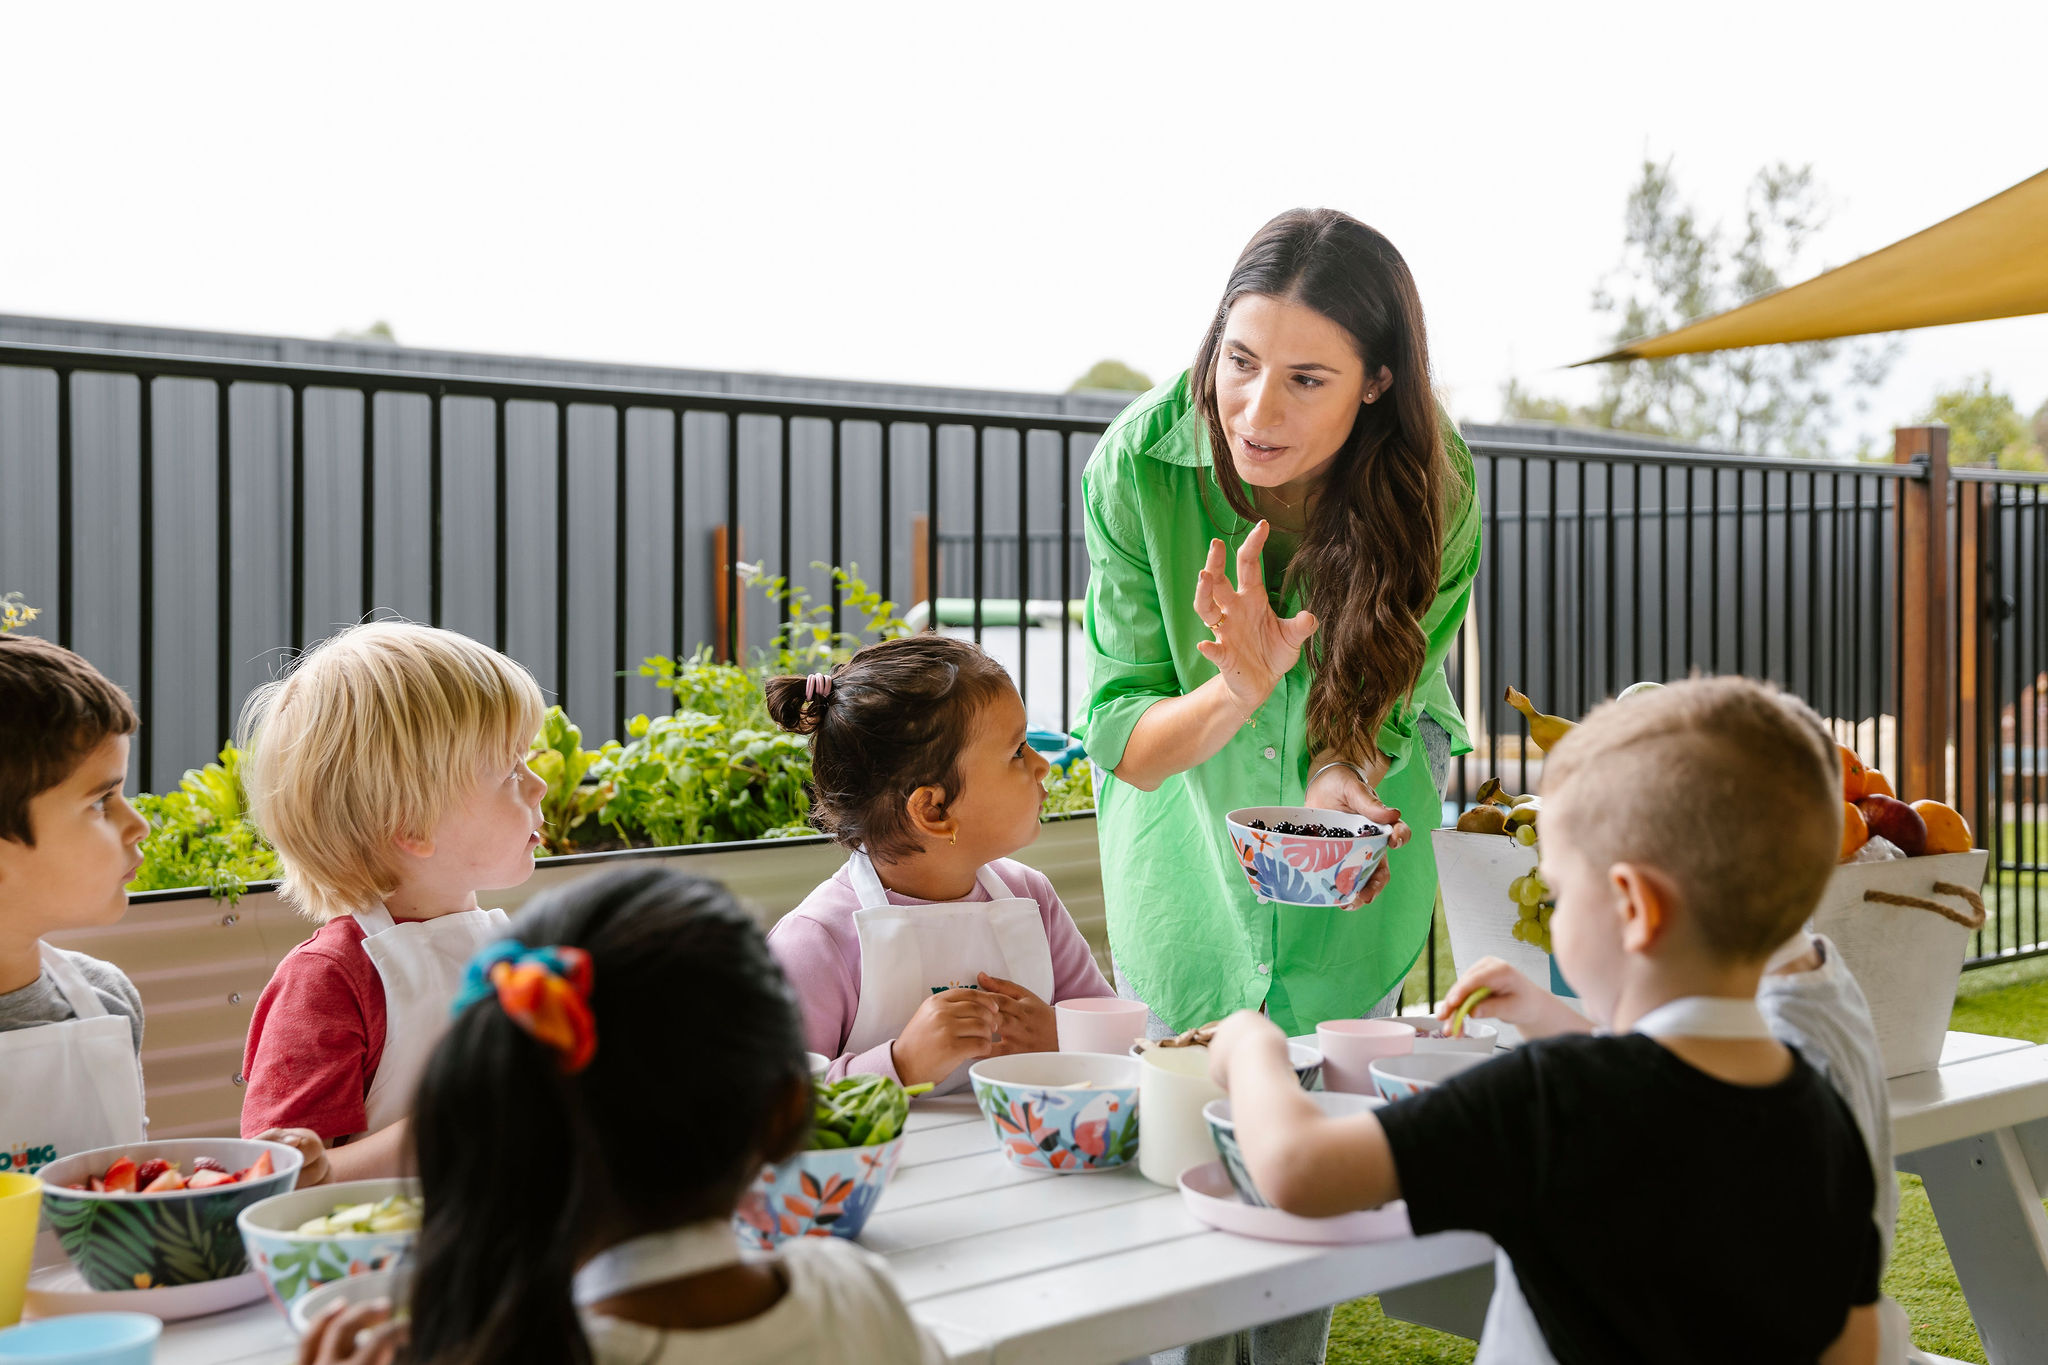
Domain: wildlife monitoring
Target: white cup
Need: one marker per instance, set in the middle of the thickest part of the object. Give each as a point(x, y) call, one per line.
point(1351, 1045)
point(1173, 1085)
point(1099, 1024)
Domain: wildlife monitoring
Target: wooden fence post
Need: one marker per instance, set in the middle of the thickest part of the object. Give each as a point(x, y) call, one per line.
point(921, 566)
point(1924, 636)
point(723, 557)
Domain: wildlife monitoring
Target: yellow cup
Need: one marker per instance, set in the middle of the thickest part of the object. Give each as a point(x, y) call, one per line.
point(21, 1196)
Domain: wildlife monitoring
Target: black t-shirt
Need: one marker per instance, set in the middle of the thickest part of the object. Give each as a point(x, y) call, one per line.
point(1653, 1213)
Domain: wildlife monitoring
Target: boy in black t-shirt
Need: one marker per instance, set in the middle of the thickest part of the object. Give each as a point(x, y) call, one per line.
point(1683, 1188)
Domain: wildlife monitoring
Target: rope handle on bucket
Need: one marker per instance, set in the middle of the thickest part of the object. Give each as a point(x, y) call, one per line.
point(1973, 921)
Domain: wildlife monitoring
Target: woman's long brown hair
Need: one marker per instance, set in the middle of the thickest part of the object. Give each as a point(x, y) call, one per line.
point(1370, 556)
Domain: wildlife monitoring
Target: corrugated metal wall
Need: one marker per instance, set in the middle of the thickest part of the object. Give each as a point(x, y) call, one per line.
point(186, 726)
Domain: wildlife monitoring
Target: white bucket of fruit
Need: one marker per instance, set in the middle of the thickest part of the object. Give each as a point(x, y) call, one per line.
point(1901, 908)
point(1494, 903)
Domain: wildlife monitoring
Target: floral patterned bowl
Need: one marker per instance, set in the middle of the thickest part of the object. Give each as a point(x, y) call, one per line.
point(1223, 1132)
point(293, 1263)
point(1399, 1078)
point(825, 1192)
point(145, 1241)
point(1061, 1111)
point(1306, 869)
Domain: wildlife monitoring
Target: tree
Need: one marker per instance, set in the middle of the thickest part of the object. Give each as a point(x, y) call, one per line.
point(1112, 374)
point(1985, 427)
point(378, 332)
point(1674, 269)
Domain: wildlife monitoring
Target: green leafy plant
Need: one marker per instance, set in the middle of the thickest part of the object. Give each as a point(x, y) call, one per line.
point(559, 759)
point(200, 835)
point(687, 779)
point(14, 612)
point(1069, 789)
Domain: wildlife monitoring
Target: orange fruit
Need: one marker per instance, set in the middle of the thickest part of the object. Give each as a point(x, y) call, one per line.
point(1855, 830)
point(1853, 774)
point(1947, 831)
point(1876, 783)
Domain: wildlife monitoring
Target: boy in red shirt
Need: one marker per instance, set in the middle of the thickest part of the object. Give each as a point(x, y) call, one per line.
point(388, 769)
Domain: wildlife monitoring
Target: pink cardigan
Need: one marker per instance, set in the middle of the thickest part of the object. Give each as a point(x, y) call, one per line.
point(819, 950)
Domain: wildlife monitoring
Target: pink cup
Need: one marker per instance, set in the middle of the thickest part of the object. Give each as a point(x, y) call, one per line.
point(1099, 1024)
point(1350, 1046)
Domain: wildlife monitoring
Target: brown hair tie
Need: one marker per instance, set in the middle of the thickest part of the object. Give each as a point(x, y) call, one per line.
point(1972, 922)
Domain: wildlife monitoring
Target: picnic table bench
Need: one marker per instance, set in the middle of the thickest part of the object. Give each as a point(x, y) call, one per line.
point(1006, 1265)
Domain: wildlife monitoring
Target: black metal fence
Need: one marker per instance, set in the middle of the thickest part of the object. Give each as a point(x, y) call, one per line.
point(598, 524)
point(1998, 524)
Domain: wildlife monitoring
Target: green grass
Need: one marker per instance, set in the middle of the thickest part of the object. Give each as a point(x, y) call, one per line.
point(2010, 1001)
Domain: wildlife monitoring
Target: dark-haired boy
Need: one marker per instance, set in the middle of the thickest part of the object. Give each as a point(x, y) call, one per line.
point(70, 1025)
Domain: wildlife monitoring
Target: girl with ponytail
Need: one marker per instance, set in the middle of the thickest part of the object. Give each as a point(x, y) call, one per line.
point(932, 947)
point(617, 1073)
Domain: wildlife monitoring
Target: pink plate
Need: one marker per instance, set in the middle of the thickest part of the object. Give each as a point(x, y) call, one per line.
point(61, 1289)
point(1207, 1193)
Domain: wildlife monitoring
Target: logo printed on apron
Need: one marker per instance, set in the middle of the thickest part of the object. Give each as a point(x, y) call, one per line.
point(72, 1085)
point(905, 949)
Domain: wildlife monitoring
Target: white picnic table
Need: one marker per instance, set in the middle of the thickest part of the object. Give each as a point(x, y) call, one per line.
point(1006, 1265)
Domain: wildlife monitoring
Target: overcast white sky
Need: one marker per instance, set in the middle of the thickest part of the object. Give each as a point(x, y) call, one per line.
point(962, 193)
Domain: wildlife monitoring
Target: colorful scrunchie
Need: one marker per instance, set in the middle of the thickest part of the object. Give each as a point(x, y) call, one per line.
point(545, 991)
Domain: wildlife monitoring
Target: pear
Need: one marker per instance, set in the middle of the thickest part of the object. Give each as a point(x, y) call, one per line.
point(1544, 731)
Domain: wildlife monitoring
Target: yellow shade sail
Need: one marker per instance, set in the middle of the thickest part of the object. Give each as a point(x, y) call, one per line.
point(1990, 261)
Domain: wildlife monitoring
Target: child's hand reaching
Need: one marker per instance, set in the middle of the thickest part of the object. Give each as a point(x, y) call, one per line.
point(314, 1169)
point(1025, 1023)
point(1513, 999)
point(1247, 1029)
point(949, 1028)
point(361, 1335)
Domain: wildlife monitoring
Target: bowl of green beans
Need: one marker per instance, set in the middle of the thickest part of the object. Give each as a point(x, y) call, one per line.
point(829, 1190)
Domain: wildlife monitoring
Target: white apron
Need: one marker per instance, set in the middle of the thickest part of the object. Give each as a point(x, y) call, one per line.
point(67, 1087)
point(910, 952)
point(421, 965)
point(1511, 1335)
point(70, 1086)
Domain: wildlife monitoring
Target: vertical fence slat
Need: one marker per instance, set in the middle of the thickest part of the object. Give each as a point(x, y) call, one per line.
point(619, 562)
point(434, 507)
point(223, 564)
point(979, 431)
point(1066, 580)
point(1024, 567)
point(562, 555)
point(66, 547)
point(501, 492)
point(677, 645)
point(368, 597)
point(298, 518)
point(145, 493)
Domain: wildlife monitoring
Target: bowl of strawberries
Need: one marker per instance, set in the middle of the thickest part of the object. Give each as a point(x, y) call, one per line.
point(150, 1214)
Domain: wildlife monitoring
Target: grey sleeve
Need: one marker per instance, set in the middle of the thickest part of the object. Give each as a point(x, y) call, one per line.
point(114, 989)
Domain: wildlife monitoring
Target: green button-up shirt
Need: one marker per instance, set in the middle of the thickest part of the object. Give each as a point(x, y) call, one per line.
point(1184, 927)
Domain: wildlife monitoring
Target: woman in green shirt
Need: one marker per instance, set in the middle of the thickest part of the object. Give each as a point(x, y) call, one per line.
point(1306, 445)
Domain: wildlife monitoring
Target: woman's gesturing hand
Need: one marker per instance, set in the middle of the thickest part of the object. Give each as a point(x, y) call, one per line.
point(1253, 648)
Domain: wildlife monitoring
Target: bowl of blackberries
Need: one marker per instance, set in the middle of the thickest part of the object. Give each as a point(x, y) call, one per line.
point(1300, 855)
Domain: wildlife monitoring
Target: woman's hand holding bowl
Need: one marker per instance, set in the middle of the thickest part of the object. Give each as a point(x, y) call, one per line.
point(1335, 785)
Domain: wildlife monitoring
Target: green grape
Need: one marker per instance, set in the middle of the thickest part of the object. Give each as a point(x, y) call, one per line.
point(1525, 835)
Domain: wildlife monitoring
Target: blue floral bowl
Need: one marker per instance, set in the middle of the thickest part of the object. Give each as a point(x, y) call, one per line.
point(1223, 1132)
point(1305, 869)
point(293, 1262)
point(826, 1192)
point(1061, 1111)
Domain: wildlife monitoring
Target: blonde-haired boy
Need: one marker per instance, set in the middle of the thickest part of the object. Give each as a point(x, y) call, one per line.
point(1684, 1187)
point(388, 768)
